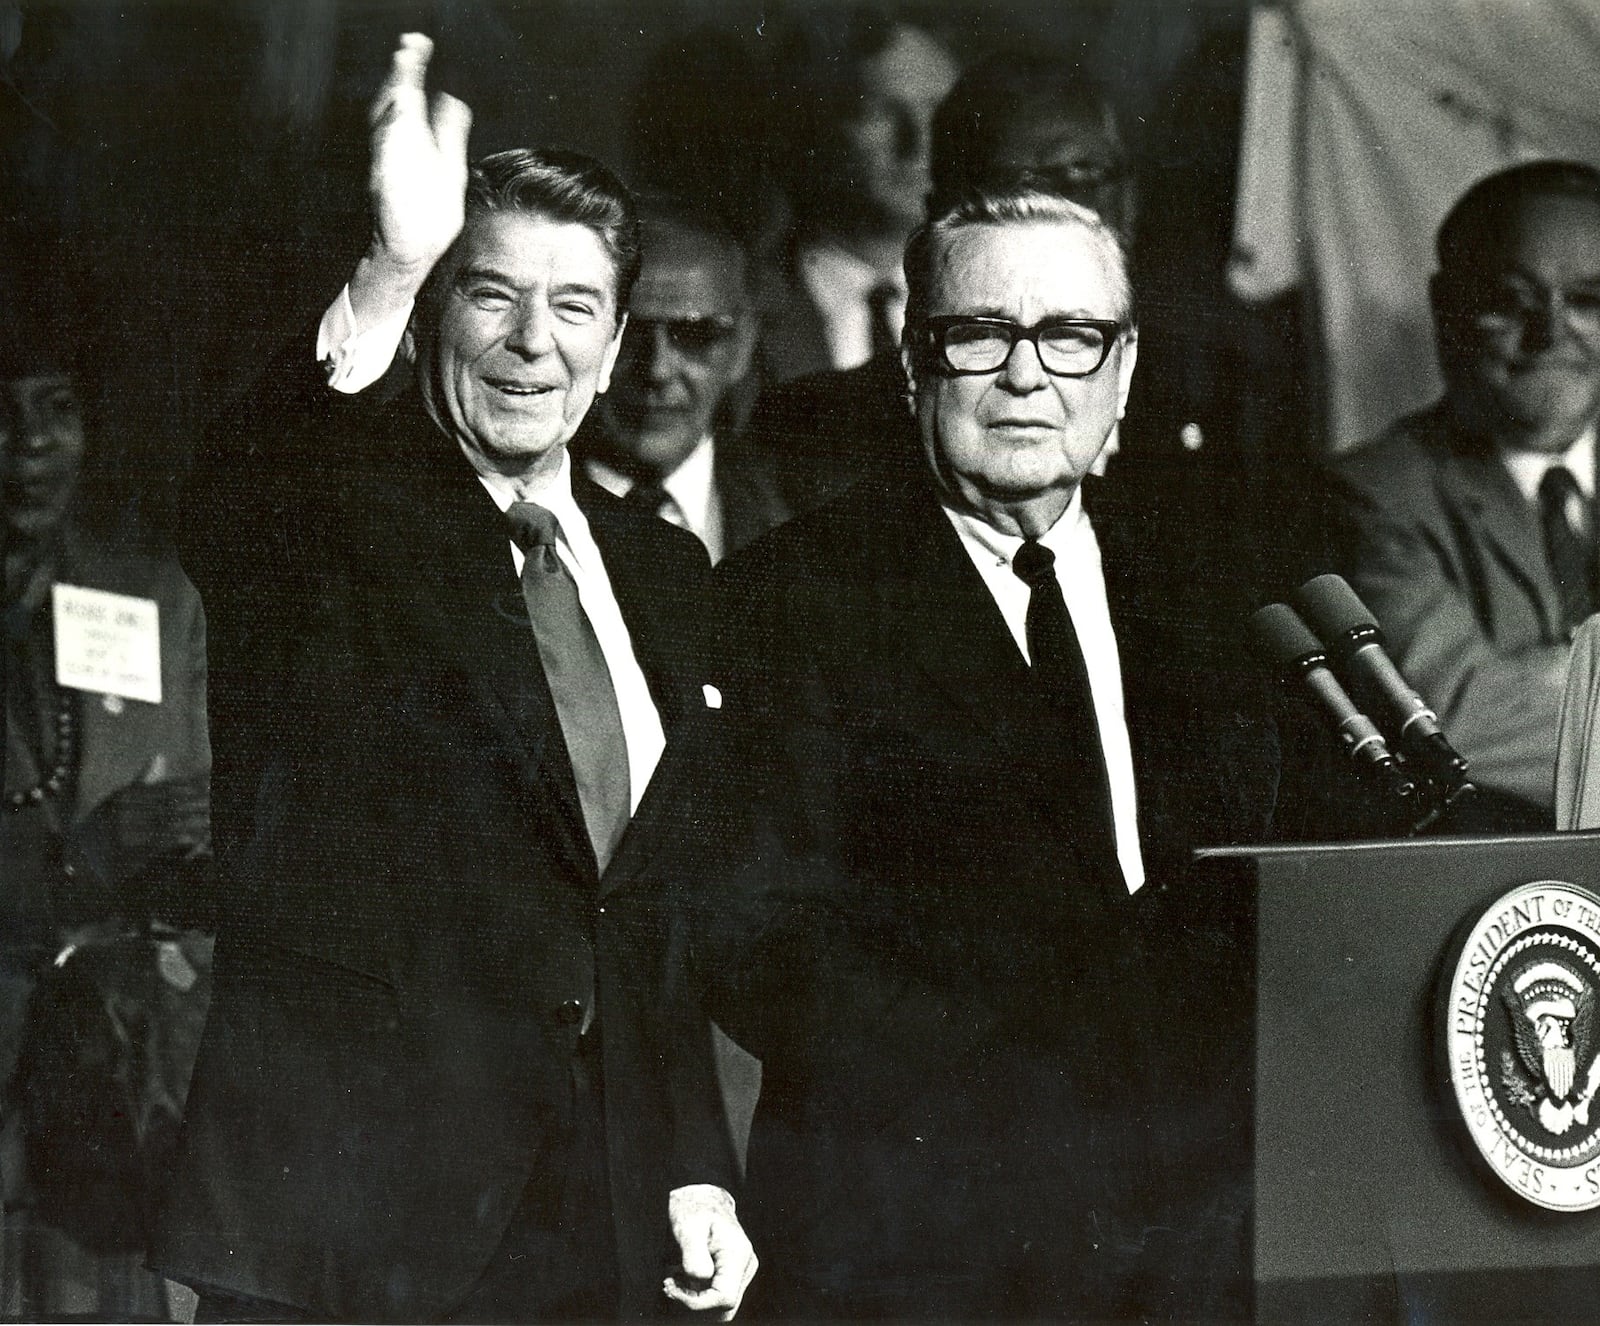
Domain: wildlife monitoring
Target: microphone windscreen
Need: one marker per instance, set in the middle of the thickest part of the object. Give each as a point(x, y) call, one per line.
point(1332, 607)
point(1282, 636)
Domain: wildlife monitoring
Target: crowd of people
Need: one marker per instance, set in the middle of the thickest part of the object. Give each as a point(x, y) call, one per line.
point(690, 740)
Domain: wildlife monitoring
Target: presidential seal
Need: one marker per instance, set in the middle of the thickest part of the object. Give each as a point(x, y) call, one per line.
point(1523, 1040)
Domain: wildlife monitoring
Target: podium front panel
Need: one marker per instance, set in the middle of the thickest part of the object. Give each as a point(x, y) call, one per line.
point(1369, 1194)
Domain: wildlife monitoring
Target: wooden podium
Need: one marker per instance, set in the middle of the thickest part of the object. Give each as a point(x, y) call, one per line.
point(1371, 1201)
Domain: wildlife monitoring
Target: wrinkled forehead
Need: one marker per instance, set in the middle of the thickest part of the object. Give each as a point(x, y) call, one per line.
point(531, 248)
point(1027, 270)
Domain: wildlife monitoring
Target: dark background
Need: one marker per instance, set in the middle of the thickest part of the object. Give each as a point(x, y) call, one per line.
point(193, 176)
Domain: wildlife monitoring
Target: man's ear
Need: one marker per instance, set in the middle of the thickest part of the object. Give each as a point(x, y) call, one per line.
point(908, 366)
point(1130, 357)
point(1443, 305)
point(610, 360)
point(745, 333)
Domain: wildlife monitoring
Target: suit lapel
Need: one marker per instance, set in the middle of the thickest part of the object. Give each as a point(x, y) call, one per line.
point(749, 496)
point(1480, 492)
point(457, 589)
point(935, 606)
point(664, 644)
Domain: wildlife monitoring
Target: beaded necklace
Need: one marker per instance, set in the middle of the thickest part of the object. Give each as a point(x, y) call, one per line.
point(60, 775)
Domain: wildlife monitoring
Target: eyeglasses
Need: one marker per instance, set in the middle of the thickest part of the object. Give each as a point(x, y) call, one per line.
point(1067, 347)
point(695, 337)
point(1507, 311)
point(1077, 177)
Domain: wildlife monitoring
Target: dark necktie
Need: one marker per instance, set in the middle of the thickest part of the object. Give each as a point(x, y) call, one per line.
point(650, 498)
point(1057, 661)
point(580, 682)
point(880, 301)
point(1567, 545)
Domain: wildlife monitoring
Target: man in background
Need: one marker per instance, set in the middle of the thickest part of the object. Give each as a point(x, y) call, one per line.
point(1012, 117)
point(666, 437)
point(855, 137)
point(1469, 528)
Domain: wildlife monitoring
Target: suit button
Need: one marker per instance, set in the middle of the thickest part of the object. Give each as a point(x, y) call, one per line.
point(569, 1013)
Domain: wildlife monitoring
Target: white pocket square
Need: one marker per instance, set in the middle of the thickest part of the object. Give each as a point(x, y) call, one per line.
point(713, 696)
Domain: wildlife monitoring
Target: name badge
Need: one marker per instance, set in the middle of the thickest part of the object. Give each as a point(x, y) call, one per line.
point(108, 643)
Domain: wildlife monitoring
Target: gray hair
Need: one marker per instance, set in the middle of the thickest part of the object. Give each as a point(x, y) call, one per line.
point(1022, 204)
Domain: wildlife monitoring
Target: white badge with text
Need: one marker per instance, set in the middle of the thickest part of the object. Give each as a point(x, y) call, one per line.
point(107, 643)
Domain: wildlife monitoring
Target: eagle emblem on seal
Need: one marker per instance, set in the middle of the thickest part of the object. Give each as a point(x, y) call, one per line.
point(1555, 1073)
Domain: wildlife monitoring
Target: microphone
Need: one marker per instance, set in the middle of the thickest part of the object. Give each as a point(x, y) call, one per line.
point(1339, 616)
point(1291, 646)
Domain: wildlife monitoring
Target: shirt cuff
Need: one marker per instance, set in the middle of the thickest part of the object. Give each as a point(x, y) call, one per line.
point(352, 357)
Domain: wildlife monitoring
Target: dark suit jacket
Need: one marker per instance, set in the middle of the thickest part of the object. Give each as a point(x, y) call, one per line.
point(969, 1104)
point(794, 341)
point(416, 926)
point(1448, 554)
point(748, 483)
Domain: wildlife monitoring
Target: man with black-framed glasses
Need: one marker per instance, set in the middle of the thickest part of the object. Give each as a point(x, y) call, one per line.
point(965, 756)
point(667, 435)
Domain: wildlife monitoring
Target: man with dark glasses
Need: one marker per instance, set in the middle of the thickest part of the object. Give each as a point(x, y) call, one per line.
point(666, 435)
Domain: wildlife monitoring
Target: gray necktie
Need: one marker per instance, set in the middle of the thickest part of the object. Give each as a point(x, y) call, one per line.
point(1569, 549)
point(580, 682)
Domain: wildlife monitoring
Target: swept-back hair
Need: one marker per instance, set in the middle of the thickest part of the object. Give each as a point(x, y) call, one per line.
point(563, 186)
point(1017, 205)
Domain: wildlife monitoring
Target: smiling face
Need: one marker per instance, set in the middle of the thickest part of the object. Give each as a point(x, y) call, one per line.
point(41, 451)
point(690, 339)
point(1012, 446)
point(1524, 366)
point(526, 332)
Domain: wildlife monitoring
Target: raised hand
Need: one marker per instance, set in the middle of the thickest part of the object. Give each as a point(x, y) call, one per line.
point(417, 183)
point(419, 160)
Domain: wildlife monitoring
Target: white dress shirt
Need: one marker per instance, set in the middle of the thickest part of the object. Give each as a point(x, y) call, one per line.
point(354, 359)
point(1528, 467)
point(841, 286)
point(692, 502)
point(1083, 586)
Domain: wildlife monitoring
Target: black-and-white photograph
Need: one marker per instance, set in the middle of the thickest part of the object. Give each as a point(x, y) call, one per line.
point(800, 660)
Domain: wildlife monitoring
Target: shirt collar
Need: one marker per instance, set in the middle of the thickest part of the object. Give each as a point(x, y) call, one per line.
point(1003, 547)
point(689, 485)
point(553, 492)
point(1527, 468)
